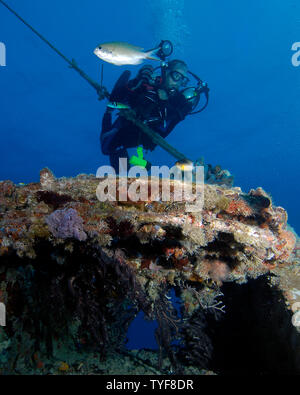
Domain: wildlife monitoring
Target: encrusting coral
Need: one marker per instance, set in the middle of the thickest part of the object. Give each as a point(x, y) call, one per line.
point(66, 224)
point(97, 264)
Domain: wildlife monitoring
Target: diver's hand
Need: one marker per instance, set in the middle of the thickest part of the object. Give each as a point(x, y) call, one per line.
point(102, 93)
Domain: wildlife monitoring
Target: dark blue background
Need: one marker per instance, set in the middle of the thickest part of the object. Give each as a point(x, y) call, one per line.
point(51, 117)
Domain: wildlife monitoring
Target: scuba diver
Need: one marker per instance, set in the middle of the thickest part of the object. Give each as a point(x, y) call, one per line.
point(159, 101)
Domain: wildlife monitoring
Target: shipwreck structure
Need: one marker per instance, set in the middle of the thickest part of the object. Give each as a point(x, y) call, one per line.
point(75, 272)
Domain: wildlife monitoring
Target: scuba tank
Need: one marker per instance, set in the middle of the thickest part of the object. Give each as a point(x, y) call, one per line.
point(120, 86)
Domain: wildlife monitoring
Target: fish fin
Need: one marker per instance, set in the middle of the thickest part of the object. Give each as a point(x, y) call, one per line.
point(127, 45)
point(152, 54)
point(136, 47)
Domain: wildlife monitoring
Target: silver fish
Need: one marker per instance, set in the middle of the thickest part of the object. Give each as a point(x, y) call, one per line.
point(121, 53)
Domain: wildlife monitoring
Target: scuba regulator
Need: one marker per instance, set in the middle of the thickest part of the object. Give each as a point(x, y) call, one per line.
point(192, 94)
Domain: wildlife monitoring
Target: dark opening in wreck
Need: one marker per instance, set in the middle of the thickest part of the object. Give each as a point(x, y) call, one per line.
point(254, 335)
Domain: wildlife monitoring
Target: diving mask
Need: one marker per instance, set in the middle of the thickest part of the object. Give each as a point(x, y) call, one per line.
point(177, 76)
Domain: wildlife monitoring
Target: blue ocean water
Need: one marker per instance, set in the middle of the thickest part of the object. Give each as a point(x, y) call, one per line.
point(51, 117)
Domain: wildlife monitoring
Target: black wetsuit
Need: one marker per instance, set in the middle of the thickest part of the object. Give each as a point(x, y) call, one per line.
point(160, 115)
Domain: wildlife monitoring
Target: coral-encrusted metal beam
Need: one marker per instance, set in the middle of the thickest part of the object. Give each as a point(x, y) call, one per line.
point(236, 236)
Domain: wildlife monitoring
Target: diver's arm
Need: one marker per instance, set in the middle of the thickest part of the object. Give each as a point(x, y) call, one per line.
point(179, 109)
point(107, 120)
point(164, 129)
point(175, 114)
point(144, 77)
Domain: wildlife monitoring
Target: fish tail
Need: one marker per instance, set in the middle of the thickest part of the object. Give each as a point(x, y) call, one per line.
point(152, 54)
